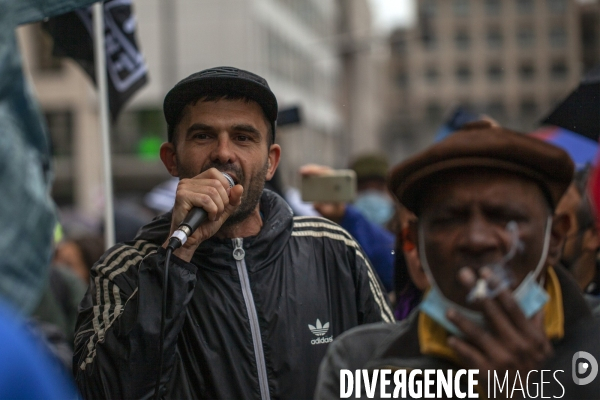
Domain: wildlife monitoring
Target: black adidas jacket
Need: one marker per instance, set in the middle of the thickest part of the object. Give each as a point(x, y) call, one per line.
point(253, 325)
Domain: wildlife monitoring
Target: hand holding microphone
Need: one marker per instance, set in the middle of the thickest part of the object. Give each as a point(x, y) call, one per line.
point(212, 195)
point(202, 204)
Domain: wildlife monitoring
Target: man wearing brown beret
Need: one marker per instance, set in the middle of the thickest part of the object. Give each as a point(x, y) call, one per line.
point(502, 319)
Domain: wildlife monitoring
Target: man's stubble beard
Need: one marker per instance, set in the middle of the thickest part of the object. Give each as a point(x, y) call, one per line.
point(252, 191)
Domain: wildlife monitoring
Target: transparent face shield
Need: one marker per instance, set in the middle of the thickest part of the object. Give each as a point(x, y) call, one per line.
point(529, 294)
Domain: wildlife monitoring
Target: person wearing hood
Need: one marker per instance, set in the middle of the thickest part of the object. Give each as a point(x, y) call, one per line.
point(255, 295)
point(499, 303)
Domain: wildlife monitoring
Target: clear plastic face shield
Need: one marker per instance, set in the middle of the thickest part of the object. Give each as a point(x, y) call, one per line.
point(529, 294)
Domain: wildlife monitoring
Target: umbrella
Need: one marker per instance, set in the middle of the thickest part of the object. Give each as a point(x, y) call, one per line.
point(580, 111)
point(581, 149)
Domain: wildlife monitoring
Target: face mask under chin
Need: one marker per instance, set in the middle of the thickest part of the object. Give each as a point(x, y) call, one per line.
point(529, 295)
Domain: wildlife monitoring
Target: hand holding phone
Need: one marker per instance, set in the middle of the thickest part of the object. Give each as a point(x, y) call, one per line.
point(331, 186)
point(328, 189)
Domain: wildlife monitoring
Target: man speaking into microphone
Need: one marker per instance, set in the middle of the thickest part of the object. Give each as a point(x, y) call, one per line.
point(254, 295)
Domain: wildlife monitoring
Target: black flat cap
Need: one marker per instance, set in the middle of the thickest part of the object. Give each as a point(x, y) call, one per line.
point(216, 82)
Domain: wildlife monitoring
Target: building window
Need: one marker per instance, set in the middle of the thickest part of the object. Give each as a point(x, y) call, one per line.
point(463, 74)
point(559, 70)
point(495, 73)
point(526, 72)
point(528, 108)
point(432, 75)
point(60, 128)
point(310, 14)
point(430, 7)
point(461, 8)
point(495, 109)
point(525, 6)
point(433, 112)
point(590, 35)
point(289, 62)
point(398, 45)
point(526, 37)
point(557, 6)
point(429, 41)
point(558, 36)
point(402, 80)
point(556, 99)
point(494, 39)
point(466, 105)
point(493, 7)
point(139, 132)
point(462, 40)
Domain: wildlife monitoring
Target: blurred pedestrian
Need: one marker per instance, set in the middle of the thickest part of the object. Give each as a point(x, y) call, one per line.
point(78, 254)
point(489, 241)
point(254, 294)
point(580, 252)
point(67, 283)
point(376, 241)
point(57, 310)
point(372, 197)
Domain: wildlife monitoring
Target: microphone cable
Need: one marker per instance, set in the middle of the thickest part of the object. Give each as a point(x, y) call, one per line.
point(194, 218)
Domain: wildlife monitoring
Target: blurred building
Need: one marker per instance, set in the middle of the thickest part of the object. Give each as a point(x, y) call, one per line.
point(590, 33)
point(364, 59)
point(294, 44)
point(510, 59)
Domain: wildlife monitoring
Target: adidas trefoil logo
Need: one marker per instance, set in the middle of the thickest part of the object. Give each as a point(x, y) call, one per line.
point(319, 330)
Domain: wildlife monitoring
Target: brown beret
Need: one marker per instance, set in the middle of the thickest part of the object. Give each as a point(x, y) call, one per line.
point(481, 144)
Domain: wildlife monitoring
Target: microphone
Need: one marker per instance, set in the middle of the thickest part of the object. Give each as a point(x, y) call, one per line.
point(191, 222)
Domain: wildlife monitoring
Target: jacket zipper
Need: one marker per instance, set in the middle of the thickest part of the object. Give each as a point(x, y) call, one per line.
point(239, 256)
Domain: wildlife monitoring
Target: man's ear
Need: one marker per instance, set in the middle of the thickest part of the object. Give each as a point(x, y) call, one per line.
point(169, 158)
point(273, 161)
point(560, 226)
point(591, 240)
point(409, 236)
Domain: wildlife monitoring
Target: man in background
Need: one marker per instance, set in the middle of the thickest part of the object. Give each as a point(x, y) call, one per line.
point(489, 242)
point(377, 242)
point(372, 197)
point(580, 252)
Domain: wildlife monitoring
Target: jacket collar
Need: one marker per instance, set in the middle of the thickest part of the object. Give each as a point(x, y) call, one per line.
point(260, 250)
point(403, 346)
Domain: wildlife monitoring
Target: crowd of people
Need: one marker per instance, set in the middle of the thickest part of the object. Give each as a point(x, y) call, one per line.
point(478, 253)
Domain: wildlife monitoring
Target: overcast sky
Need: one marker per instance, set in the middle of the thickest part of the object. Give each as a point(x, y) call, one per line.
point(391, 13)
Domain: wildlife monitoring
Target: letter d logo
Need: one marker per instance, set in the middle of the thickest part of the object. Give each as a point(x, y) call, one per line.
point(582, 367)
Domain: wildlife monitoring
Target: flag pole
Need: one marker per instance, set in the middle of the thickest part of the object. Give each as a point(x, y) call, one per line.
point(101, 80)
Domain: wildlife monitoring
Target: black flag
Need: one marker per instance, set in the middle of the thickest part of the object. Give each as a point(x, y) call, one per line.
point(73, 37)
